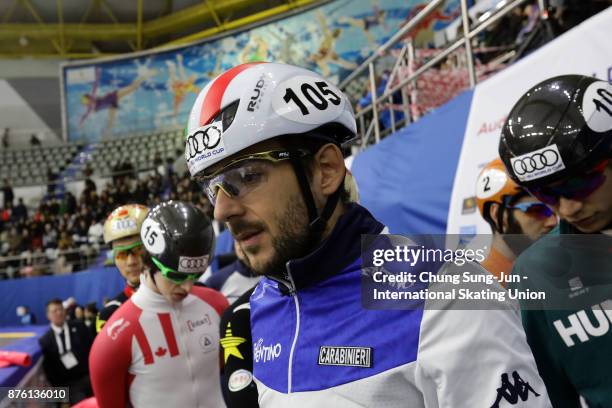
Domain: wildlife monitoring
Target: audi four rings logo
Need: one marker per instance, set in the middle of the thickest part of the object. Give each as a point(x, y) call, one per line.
point(193, 263)
point(202, 140)
point(534, 162)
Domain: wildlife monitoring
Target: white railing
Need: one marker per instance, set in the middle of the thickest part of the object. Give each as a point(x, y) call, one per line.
point(404, 71)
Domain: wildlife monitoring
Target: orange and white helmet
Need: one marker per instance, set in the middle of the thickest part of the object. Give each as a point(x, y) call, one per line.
point(124, 221)
point(493, 185)
point(254, 102)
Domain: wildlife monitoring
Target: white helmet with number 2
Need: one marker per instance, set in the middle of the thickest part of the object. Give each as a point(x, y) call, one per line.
point(254, 102)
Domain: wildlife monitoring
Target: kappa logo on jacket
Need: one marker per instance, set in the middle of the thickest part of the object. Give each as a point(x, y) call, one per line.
point(512, 392)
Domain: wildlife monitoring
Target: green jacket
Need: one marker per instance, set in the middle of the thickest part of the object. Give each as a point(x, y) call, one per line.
point(570, 333)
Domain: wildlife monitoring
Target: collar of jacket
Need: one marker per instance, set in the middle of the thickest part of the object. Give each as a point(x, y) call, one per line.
point(242, 269)
point(147, 299)
point(339, 250)
point(129, 290)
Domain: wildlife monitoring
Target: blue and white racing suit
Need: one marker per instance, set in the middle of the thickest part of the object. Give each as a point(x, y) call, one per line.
point(315, 345)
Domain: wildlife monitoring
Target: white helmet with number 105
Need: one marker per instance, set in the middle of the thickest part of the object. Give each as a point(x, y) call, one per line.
point(254, 102)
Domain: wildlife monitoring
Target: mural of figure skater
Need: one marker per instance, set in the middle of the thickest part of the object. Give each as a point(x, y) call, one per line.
point(423, 33)
point(286, 44)
point(109, 100)
point(179, 83)
point(368, 22)
point(217, 68)
point(326, 53)
point(256, 50)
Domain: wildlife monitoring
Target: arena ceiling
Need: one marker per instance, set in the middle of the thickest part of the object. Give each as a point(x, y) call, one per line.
point(96, 28)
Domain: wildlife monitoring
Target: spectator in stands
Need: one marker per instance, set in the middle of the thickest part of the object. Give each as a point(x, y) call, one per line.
point(5, 215)
point(36, 234)
point(141, 193)
point(70, 203)
point(384, 116)
point(25, 315)
point(51, 181)
point(66, 258)
point(70, 305)
point(157, 160)
point(9, 196)
point(79, 313)
point(531, 15)
point(128, 170)
point(90, 186)
point(14, 240)
point(64, 215)
point(95, 234)
point(40, 264)
point(567, 14)
point(4, 245)
point(80, 233)
point(20, 212)
point(5, 138)
point(24, 242)
point(49, 237)
point(90, 315)
point(65, 347)
point(55, 206)
point(34, 140)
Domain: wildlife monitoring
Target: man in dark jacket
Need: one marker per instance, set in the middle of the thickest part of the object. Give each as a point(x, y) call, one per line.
point(65, 349)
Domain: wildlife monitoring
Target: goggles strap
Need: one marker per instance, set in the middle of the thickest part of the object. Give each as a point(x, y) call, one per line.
point(486, 214)
point(317, 221)
point(128, 246)
point(153, 271)
point(500, 219)
point(321, 221)
point(300, 173)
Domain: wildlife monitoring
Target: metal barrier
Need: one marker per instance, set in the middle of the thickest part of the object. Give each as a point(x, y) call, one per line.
point(405, 63)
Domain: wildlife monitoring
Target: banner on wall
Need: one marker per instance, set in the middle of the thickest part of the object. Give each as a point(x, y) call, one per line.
point(156, 90)
point(583, 50)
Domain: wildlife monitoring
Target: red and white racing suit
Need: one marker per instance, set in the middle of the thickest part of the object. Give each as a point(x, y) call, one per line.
point(152, 353)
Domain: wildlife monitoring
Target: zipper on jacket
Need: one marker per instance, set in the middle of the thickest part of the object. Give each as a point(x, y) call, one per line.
point(183, 338)
point(297, 327)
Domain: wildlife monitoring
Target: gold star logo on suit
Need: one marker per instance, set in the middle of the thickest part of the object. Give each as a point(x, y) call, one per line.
point(230, 344)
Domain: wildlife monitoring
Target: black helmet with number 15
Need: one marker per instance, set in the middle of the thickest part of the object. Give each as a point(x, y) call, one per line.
point(179, 237)
point(559, 128)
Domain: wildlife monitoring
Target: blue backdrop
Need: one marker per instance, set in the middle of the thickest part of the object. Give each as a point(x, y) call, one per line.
point(87, 286)
point(406, 180)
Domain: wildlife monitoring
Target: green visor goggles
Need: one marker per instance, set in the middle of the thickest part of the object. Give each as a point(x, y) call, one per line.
point(175, 276)
point(122, 252)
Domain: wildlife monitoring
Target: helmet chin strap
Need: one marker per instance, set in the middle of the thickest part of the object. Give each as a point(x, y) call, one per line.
point(317, 222)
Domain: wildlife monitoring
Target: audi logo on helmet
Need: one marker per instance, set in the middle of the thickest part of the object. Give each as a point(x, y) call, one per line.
point(193, 264)
point(202, 140)
point(537, 164)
